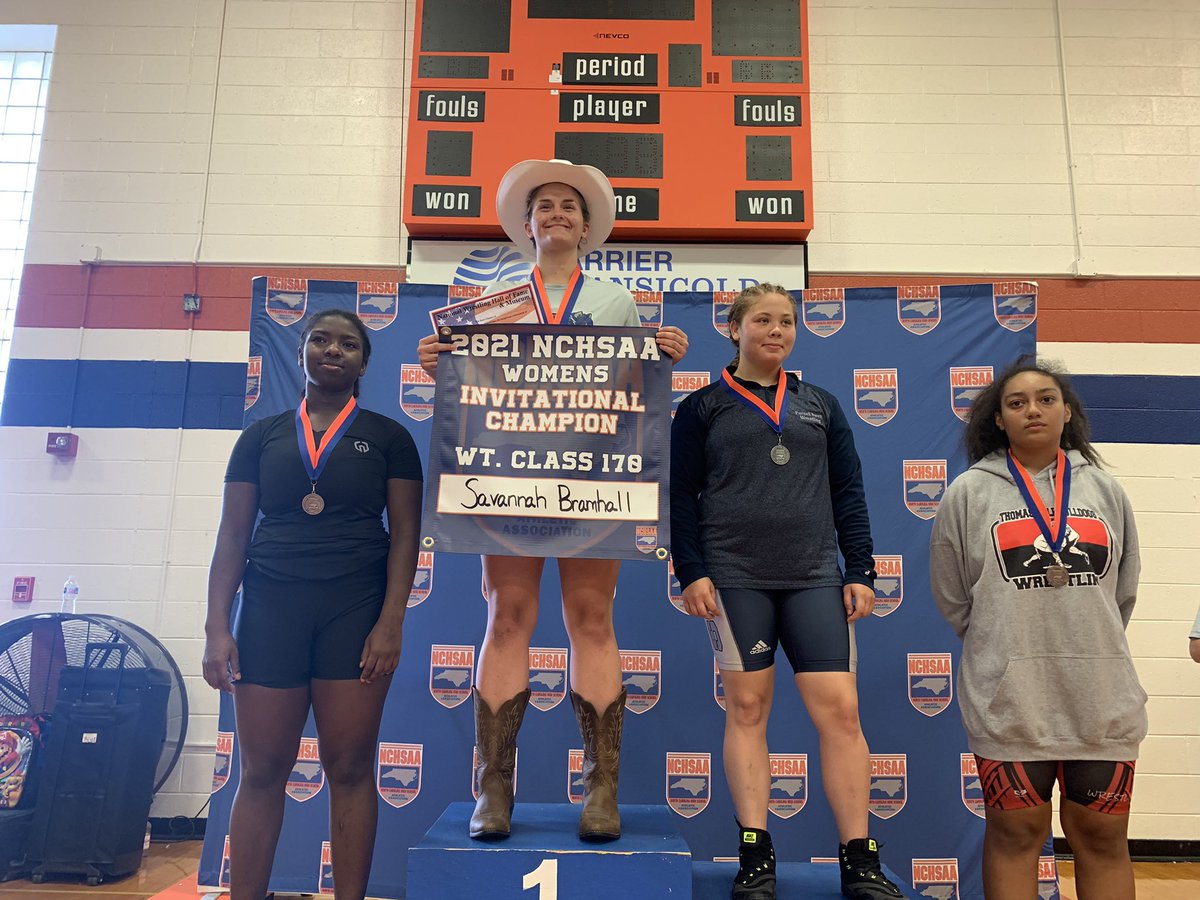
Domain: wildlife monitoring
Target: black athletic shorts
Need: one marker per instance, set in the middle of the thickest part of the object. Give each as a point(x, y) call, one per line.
point(289, 632)
point(810, 624)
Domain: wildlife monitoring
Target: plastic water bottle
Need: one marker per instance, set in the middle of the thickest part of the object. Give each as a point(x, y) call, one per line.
point(70, 595)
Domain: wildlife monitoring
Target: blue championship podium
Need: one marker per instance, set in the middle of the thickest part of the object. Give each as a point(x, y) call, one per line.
point(651, 860)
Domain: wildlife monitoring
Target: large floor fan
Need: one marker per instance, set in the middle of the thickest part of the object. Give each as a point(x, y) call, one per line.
point(35, 649)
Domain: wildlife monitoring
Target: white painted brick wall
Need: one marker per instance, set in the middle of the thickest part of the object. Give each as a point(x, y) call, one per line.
point(929, 92)
point(939, 146)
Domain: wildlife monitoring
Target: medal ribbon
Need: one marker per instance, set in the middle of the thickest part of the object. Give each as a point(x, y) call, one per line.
point(566, 306)
point(773, 416)
point(1053, 528)
point(314, 457)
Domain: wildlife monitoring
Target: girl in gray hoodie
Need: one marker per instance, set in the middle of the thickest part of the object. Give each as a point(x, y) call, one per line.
point(1046, 685)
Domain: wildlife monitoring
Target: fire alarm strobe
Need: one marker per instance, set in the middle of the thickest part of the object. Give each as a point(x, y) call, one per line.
point(62, 443)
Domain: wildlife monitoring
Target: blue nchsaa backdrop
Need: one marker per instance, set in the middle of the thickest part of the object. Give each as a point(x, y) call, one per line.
point(887, 354)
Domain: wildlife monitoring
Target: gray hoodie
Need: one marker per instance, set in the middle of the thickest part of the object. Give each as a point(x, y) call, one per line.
point(1046, 672)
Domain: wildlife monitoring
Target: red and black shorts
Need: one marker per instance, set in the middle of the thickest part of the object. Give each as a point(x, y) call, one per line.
point(1101, 785)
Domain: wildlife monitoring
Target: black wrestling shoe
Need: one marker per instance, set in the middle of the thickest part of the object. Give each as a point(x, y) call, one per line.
point(862, 878)
point(756, 876)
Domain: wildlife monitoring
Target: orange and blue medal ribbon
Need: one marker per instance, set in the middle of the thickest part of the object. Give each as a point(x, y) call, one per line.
point(1053, 527)
point(772, 415)
point(566, 306)
point(315, 457)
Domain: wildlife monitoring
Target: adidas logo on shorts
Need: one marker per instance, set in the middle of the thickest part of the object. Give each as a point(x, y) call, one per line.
point(760, 647)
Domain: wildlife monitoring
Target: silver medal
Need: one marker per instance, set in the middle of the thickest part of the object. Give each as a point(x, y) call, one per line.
point(313, 503)
point(1057, 576)
point(780, 455)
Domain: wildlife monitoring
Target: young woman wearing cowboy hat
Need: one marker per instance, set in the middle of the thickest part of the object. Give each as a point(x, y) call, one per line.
point(556, 209)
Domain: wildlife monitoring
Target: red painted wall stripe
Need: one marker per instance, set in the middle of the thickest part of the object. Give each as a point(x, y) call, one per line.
point(1118, 310)
point(130, 296)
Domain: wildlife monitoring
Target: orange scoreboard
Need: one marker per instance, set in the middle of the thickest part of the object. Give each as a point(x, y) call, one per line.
point(697, 110)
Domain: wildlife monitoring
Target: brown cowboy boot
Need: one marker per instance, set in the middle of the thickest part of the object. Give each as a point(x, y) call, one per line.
point(600, 820)
point(496, 740)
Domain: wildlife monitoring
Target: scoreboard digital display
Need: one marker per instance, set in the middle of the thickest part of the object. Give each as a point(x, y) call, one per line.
point(697, 110)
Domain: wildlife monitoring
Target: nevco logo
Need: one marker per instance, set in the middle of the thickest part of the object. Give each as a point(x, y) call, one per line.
point(606, 36)
point(459, 106)
point(610, 68)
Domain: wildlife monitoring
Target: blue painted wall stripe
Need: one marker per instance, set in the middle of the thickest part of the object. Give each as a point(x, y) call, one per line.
point(1143, 409)
point(124, 394)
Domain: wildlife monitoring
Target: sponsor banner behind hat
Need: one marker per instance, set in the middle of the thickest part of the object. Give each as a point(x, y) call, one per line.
point(639, 267)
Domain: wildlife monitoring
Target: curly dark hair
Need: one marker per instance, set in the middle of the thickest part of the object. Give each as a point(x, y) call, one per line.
point(983, 436)
point(354, 321)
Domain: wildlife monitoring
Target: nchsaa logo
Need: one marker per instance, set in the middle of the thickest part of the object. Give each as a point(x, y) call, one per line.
point(307, 776)
point(286, 299)
point(223, 761)
point(972, 790)
point(641, 676)
point(683, 383)
point(689, 782)
point(919, 307)
point(876, 395)
point(930, 682)
point(451, 668)
point(936, 878)
point(422, 579)
point(416, 392)
point(721, 302)
point(649, 307)
point(645, 538)
point(1047, 878)
point(889, 584)
point(823, 310)
point(718, 686)
point(398, 772)
point(924, 485)
point(325, 876)
point(1015, 304)
point(575, 776)
point(377, 303)
point(253, 380)
point(547, 676)
point(674, 589)
point(789, 784)
point(967, 383)
point(889, 784)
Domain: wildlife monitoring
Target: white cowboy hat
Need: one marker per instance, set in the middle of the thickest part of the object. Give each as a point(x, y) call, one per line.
point(531, 174)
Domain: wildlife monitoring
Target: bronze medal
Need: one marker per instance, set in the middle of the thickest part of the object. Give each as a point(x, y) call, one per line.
point(313, 503)
point(780, 455)
point(1057, 576)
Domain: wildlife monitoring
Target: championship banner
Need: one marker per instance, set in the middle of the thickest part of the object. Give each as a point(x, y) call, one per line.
point(550, 443)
